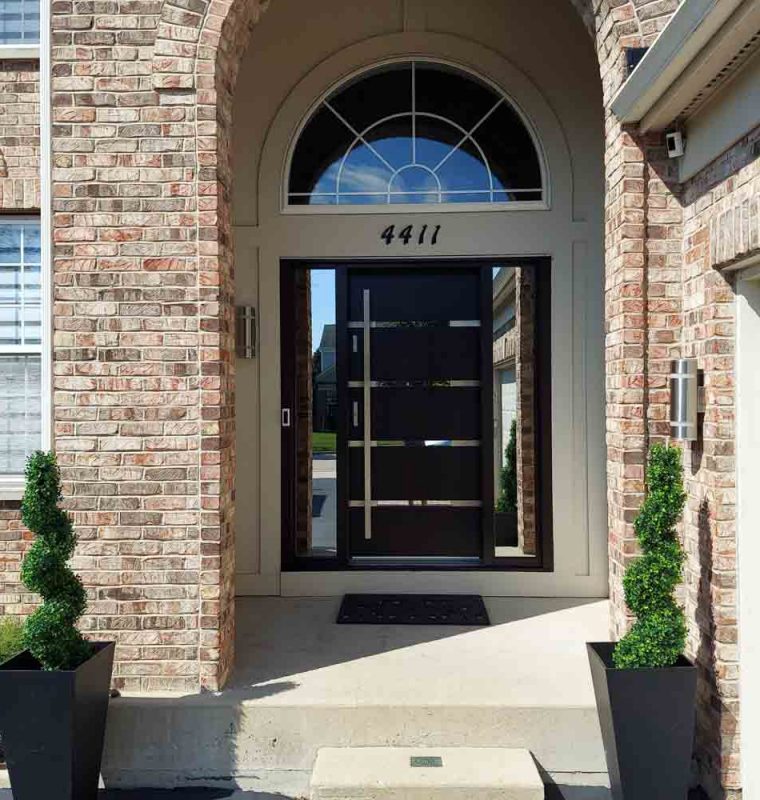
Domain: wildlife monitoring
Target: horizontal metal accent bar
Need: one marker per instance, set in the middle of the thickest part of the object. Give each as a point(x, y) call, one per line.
point(417, 443)
point(413, 560)
point(442, 384)
point(412, 324)
point(418, 503)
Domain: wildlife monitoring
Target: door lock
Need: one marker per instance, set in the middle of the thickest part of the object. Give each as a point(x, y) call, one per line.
point(285, 417)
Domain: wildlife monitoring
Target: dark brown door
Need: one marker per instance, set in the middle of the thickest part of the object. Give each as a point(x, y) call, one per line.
point(414, 343)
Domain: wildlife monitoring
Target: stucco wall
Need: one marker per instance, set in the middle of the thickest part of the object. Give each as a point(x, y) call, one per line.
point(493, 38)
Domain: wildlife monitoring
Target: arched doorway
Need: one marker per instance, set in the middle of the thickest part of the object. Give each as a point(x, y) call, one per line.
point(513, 205)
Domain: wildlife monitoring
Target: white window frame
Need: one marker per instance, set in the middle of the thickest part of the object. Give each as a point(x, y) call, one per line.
point(11, 486)
point(417, 208)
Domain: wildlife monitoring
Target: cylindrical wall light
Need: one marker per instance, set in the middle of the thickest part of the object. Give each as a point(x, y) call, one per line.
point(684, 400)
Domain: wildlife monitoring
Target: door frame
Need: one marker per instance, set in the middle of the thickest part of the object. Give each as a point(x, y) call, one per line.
point(543, 561)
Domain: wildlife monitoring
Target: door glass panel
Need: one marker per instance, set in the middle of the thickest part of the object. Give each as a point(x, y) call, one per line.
point(515, 408)
point(316, 414)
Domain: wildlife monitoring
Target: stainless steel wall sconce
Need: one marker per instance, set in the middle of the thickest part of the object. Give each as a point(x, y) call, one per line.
point(245, 331)
point(684, 400)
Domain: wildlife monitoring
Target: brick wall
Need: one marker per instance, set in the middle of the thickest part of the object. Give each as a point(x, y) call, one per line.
point(304, 411)
point(525, 377)
point(19, 192)
point(19, 136)
point(721, 223)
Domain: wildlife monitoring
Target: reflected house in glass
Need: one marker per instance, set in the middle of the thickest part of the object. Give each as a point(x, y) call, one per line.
point(415, 132)
point(325, 392)
point(515, 391)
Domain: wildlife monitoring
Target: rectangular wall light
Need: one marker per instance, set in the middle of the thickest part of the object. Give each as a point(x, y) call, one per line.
point(245, 331)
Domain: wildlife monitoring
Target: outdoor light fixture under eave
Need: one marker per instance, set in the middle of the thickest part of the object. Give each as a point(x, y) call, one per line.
point(245, 331)
point(684, 400)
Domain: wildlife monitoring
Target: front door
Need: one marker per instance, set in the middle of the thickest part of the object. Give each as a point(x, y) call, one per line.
point(414, 443)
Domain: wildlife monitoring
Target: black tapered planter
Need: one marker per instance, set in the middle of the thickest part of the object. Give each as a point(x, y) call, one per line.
point(505, 528)
point(53, 724)
point(647, 722)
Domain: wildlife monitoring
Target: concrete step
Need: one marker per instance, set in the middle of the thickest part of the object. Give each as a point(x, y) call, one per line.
point(303, 683)
point(409, 773)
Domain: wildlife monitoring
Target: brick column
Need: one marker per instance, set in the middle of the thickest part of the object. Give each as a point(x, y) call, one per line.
point(525, 378)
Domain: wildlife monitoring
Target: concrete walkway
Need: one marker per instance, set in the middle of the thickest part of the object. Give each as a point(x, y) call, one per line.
point(552, 793)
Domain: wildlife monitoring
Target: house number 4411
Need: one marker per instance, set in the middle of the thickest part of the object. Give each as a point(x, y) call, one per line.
point(412, 234)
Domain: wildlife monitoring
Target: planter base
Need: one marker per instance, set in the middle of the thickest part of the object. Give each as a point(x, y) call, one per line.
point(505, 528)
point(647, 722)
point(53, 725)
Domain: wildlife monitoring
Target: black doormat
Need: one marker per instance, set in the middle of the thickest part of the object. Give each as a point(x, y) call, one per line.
point(413, 609)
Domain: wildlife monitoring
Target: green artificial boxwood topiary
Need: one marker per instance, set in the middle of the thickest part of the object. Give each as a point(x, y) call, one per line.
point(658, 637)
point(50, 633)
point(508, 479)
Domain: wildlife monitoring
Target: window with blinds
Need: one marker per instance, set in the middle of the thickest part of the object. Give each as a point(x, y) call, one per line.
point(20, 343)
point(19, 22)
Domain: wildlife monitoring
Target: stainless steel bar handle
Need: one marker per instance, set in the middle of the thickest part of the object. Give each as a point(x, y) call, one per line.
point(367, 326)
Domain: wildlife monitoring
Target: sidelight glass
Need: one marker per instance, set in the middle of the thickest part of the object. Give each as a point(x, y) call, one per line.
point(316, 416)
point(515, 406)
point(415, 132)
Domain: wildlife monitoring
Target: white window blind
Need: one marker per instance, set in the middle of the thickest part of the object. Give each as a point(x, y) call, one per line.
point(20, 344)
point(19, 22)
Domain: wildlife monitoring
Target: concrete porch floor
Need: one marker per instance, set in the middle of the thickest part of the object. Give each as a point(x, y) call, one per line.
point(303, 682)
point(290, 651)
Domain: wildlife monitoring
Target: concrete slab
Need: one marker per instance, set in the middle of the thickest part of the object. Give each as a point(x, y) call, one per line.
point(303, 683)
point(389, 773)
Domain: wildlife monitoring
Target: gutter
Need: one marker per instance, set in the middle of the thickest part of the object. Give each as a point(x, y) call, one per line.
point(703, 42)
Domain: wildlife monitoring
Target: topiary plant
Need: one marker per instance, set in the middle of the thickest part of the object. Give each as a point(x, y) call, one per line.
point(50, 633)
point(508, 479)
point(11, 638)
point(658, 637)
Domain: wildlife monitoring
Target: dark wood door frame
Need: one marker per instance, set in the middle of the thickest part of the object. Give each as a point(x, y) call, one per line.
point(544, 558)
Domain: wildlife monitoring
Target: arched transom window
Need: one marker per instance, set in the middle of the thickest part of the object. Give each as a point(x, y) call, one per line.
point(415, 132)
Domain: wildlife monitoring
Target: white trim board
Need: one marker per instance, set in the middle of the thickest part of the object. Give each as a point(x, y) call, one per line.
point(46, 225)
point(569, 231)
point(488, 584)
point(22, 52)
point(748, 507)
point(700, 40)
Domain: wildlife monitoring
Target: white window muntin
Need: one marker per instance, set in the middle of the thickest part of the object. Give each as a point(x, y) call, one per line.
point(515, 205)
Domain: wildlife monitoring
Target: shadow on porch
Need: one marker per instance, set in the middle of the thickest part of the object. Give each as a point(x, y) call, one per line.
point(302, 682)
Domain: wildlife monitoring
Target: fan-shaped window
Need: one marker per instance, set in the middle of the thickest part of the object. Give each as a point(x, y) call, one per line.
point(415, 132)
